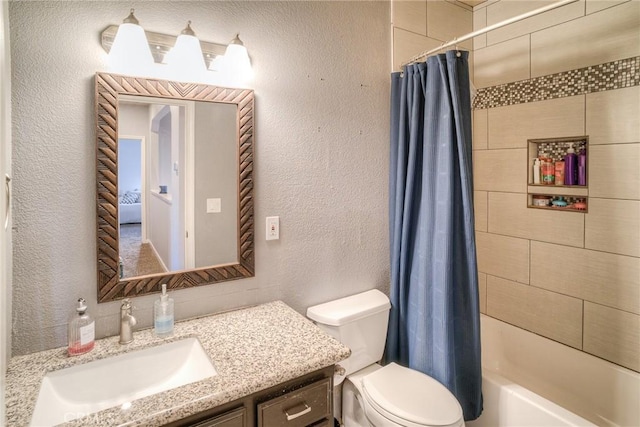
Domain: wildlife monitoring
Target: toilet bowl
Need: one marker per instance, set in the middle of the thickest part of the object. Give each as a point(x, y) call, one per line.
point(394, 396)
point(373, 395)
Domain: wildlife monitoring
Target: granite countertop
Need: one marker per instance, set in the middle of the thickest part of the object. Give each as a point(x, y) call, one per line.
point(252, 349)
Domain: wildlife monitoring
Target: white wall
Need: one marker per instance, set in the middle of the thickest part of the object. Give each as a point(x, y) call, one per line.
point(321, 154)
point(5, 169)
point(216, 176)
point(129, 165)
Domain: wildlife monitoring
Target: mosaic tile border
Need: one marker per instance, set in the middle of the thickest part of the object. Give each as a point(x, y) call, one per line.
point(596, 78)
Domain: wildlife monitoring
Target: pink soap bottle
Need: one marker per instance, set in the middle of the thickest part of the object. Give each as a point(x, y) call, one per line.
point(82, 330)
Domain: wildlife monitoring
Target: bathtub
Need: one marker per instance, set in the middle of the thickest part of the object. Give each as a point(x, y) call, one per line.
point(507, 404)
point(529, 380)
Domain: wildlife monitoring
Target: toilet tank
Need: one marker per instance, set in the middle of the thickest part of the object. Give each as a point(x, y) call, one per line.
point(359, 322)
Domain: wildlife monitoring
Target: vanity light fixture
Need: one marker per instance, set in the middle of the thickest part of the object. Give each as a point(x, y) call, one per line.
point(130, 50)
point(181, 58)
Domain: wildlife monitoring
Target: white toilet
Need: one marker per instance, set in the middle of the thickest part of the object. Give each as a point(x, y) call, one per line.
point(373, 395)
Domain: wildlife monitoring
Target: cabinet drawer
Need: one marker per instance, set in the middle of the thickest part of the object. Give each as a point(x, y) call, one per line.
point(235, 418)
point(298, 408)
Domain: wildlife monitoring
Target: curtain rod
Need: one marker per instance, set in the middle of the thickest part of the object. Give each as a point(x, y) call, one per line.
point(501, 24)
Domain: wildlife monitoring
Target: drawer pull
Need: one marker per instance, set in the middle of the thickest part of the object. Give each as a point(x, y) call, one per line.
point(290, 417)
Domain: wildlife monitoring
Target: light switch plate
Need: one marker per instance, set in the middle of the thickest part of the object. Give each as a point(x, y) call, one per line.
point(214, 205)
point(273, 227)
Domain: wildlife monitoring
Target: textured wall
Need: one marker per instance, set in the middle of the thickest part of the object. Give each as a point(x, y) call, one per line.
point(320, 158)
point(5, 168)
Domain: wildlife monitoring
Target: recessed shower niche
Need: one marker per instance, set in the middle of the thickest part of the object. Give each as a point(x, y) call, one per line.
point(558, 174)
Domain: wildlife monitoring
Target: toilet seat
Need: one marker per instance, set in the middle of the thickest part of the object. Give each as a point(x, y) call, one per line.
point(410, 398)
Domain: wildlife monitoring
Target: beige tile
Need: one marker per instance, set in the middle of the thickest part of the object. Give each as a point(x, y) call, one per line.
point(613, 226)
point(612, 334)
point(480, 129)
point(482, 291)
point(500, 170)
point(410, 16)
point(407, 44)
point(479, 22)
point(614, 171)
point(549, 314)
point(480, 209)
point(604, 36)
point(503, 256)
point(600, 277)
point(511, 126)
point(465, 4)
point(502, 63)
point(446, 21)
point(613, 116)
point(509, 215)
point(598, 5)
point(508, 9)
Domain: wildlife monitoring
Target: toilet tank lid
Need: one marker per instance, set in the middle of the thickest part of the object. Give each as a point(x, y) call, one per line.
point(349, 309)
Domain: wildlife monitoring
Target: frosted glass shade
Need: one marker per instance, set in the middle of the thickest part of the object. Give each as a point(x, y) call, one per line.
point(130, 53)
point(237, 65)
point(185, 59)
point(217, 64)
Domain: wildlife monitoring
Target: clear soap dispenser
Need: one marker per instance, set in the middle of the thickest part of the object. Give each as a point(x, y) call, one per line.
point(163, 314)
point(82, 330)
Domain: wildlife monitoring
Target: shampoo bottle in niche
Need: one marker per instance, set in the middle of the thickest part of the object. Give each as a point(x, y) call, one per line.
point(570, 167)
point(82, 330)
point(163, 314)
point(548, 171)
point(582, 167)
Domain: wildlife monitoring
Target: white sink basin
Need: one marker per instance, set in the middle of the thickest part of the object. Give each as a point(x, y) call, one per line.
point(80, 390)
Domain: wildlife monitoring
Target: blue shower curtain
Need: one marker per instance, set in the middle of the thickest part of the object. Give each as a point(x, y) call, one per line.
point(434, 325)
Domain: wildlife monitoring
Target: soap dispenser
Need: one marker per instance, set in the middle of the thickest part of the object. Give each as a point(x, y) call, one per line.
point(82, 330)
point(163, 314)
point(571, 167)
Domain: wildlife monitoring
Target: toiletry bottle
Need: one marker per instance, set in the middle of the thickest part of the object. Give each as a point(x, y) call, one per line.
point(536, 171)
point(163, 314)
point(582, 167)
point(548, 171)
point(570, 167)
point(82, 330)
point(560, 172)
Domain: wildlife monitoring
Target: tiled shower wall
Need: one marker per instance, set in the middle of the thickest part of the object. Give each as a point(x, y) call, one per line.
point(571, 277)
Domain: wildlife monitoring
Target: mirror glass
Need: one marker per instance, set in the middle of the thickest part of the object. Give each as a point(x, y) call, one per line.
point(174, 185)
point(177, 185)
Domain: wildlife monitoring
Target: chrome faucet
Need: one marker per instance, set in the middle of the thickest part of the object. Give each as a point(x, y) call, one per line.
point(127, 322)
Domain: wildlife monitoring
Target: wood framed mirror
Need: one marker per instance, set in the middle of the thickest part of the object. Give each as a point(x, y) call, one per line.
point(185, 104)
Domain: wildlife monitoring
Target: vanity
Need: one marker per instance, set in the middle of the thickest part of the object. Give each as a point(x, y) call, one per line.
point(273, 368)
